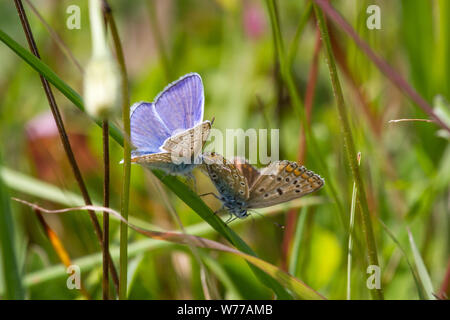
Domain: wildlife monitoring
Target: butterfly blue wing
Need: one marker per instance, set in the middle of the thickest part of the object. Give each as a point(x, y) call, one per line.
point(180, 105)
point(148, 131)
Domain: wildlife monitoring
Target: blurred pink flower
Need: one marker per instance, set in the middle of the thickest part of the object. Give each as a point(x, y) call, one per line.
point(254, 19)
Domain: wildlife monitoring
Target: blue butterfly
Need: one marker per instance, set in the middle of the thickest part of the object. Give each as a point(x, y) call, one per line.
point(169, 133)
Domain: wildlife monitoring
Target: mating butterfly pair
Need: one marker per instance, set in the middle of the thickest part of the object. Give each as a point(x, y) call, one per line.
point(169, 135)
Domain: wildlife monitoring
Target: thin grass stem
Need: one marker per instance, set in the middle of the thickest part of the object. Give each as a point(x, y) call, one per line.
point(298, 108)
point(349, 146)
point(63, 135)
point(126, 151)
point(350, 238)
point(106, 176)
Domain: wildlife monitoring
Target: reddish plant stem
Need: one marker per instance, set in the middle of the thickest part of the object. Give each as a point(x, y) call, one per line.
point(63, 134)
point(384, 67)
point(372, 118)
point(292, 215)
point(444, 292)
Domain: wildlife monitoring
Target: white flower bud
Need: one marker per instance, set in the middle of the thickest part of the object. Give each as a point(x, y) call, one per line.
point(102, 87)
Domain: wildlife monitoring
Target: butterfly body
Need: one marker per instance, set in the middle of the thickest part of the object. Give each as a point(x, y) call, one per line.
point(232, 186)
point(242, 187)
point(169, 133)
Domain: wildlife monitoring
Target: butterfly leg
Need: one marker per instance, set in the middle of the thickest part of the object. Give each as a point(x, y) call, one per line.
point(210, 194)
point(230, 219)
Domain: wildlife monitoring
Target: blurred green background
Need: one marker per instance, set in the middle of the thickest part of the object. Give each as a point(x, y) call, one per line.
point(405, 166)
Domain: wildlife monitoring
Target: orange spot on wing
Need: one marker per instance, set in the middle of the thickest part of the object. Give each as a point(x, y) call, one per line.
point(289, 168)
point(298, 172)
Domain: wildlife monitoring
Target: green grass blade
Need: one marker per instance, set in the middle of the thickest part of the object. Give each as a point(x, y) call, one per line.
point(419, 285)
point(421, 269)
point(222, 275)
point(298, 107)
point(180, 189)
point(89, 262)
point(293, 48)
point(350, 242)
point(190, 198)
point(31, 186)
point(293, 262)
point(349, 146)
point(296, 287)
point(11, 273)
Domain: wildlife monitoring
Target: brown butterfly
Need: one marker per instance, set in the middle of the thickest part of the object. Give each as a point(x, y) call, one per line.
point(243, 187)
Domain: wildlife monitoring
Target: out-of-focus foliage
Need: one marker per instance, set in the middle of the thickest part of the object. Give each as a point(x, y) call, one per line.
point(230, 44)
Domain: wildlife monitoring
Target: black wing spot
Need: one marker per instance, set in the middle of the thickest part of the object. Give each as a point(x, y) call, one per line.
point(298, 191)
point(279, 179)
point(287, 179)
point(280, 192)
point(294, 182)
point(266, 195)
point(242, 183)
point(261, 190)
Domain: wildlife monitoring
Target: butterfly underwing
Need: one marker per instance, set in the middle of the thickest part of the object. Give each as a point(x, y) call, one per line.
point(169, 134)
point(243, 187)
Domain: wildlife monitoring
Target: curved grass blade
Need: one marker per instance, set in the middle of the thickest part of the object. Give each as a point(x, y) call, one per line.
point(296, 286)
point(89, 262)
point(419, 285)
point(421, 269)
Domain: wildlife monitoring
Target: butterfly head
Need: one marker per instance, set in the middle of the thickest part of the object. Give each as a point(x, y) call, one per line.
point(242, 214)
point(236, 207)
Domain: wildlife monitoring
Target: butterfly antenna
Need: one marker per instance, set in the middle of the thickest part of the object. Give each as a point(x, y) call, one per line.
point(282, 227)
point(212, 120)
